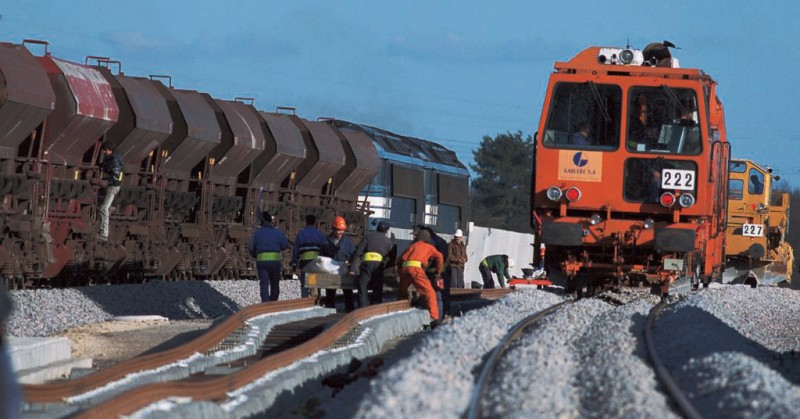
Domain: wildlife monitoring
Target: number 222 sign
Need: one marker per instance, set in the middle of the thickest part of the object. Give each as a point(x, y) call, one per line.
point(678, 179)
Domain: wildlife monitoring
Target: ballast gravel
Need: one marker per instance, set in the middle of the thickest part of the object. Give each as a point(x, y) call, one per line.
point(734, 349)
point(589, 360)
point(46, 312)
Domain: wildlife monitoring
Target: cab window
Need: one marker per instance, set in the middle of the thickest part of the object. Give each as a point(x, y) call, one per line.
point(755, 183)
point(737, 166)
point(584, 116)
point(646, 179)
point(663, 120)
point(736, 189)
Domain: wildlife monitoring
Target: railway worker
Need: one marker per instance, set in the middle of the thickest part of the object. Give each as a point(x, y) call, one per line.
point(499, 264)
point(439, 285)
point(266, 246)
point(10, 393)
point(411, 265)
point(307, 245)
point(111, 181)
point(583, 135)
point(456, 259)
point(340, 247)
point(371, 257)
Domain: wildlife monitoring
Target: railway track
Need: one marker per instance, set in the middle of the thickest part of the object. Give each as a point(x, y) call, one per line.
point(474, 409)
point(287, 343)
point(674, 390)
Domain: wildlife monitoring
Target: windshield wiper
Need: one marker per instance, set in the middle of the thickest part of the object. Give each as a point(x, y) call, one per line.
point(674, 98)
point(599, 100)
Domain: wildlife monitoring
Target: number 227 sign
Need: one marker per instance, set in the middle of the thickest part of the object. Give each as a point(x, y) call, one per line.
point(753, 230)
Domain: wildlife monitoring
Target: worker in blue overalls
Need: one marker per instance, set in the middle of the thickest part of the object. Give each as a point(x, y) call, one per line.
point(266, 246)
point(306, 248)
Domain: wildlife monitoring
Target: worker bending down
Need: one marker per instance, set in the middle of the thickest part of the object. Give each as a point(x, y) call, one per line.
point(411, 266)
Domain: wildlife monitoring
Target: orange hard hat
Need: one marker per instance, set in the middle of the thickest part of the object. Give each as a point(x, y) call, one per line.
point(339, 223)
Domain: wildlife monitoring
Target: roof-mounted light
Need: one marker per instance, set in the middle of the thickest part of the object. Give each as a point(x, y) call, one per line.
point(626, 56)
point(554, 193)
point(620, 56)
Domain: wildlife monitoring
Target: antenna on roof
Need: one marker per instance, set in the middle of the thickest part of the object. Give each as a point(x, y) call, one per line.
point(628, 45)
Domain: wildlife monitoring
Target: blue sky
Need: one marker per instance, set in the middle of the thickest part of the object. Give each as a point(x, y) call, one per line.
point(448, 71)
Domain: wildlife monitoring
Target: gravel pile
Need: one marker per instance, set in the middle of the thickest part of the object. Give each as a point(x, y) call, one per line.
point(46, 312)
point(436, 378)
point(736, 350)
point(584, 361)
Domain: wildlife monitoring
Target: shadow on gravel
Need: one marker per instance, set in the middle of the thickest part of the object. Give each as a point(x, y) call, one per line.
point(175, 341)
point(182, 300)
point(315, 400)
point(694, 333)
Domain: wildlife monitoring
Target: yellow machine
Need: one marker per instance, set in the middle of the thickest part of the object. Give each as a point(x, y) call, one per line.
point(758, 220)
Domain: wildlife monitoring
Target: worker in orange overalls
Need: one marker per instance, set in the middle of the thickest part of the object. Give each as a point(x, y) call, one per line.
point(411, 266)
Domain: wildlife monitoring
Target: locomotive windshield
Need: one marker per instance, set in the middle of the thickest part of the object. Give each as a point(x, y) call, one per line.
point(647, 179)
point(663, 120)
point(584, 116)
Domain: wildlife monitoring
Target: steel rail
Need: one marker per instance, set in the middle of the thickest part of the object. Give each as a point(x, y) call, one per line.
point(487, 294)
point(673, 389)
point(474, 410)
point(57, 392)
point(217, 389)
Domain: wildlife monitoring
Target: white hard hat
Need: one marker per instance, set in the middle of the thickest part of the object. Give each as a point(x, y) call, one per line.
point(510, 263)
point(459, 233)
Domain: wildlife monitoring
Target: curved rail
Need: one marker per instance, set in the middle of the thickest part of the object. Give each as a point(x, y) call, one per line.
point(674, 390)
point(217, 389)
point(43, 393)
point(473, 410)
point(488, 293)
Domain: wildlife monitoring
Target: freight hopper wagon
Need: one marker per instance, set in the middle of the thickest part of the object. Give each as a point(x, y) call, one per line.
point(630, 174)
point(418, 182)
point(758, 221)
point(196, 173)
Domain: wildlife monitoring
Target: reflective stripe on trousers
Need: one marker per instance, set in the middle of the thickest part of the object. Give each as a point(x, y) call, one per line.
point(268, 256)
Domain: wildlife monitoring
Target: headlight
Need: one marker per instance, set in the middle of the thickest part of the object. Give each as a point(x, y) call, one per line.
point(648, 224)
point(554, 193)
point(595, 219)
point(626, 56)
point(686, 200)
point(667, 199)
point(573, 194)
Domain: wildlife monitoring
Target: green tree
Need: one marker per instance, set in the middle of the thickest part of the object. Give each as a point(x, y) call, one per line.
point(501, 189)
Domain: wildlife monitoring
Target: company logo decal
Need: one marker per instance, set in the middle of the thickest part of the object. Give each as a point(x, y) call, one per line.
point(578, 160)
point(586, 166)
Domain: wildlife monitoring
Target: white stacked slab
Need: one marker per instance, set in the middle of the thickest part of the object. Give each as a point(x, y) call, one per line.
point(38, 360)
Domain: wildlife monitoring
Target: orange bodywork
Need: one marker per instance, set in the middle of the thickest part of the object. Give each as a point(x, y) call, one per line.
point(608, 226)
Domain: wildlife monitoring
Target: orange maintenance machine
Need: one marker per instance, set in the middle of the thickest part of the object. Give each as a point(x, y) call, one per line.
point(631, 169)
